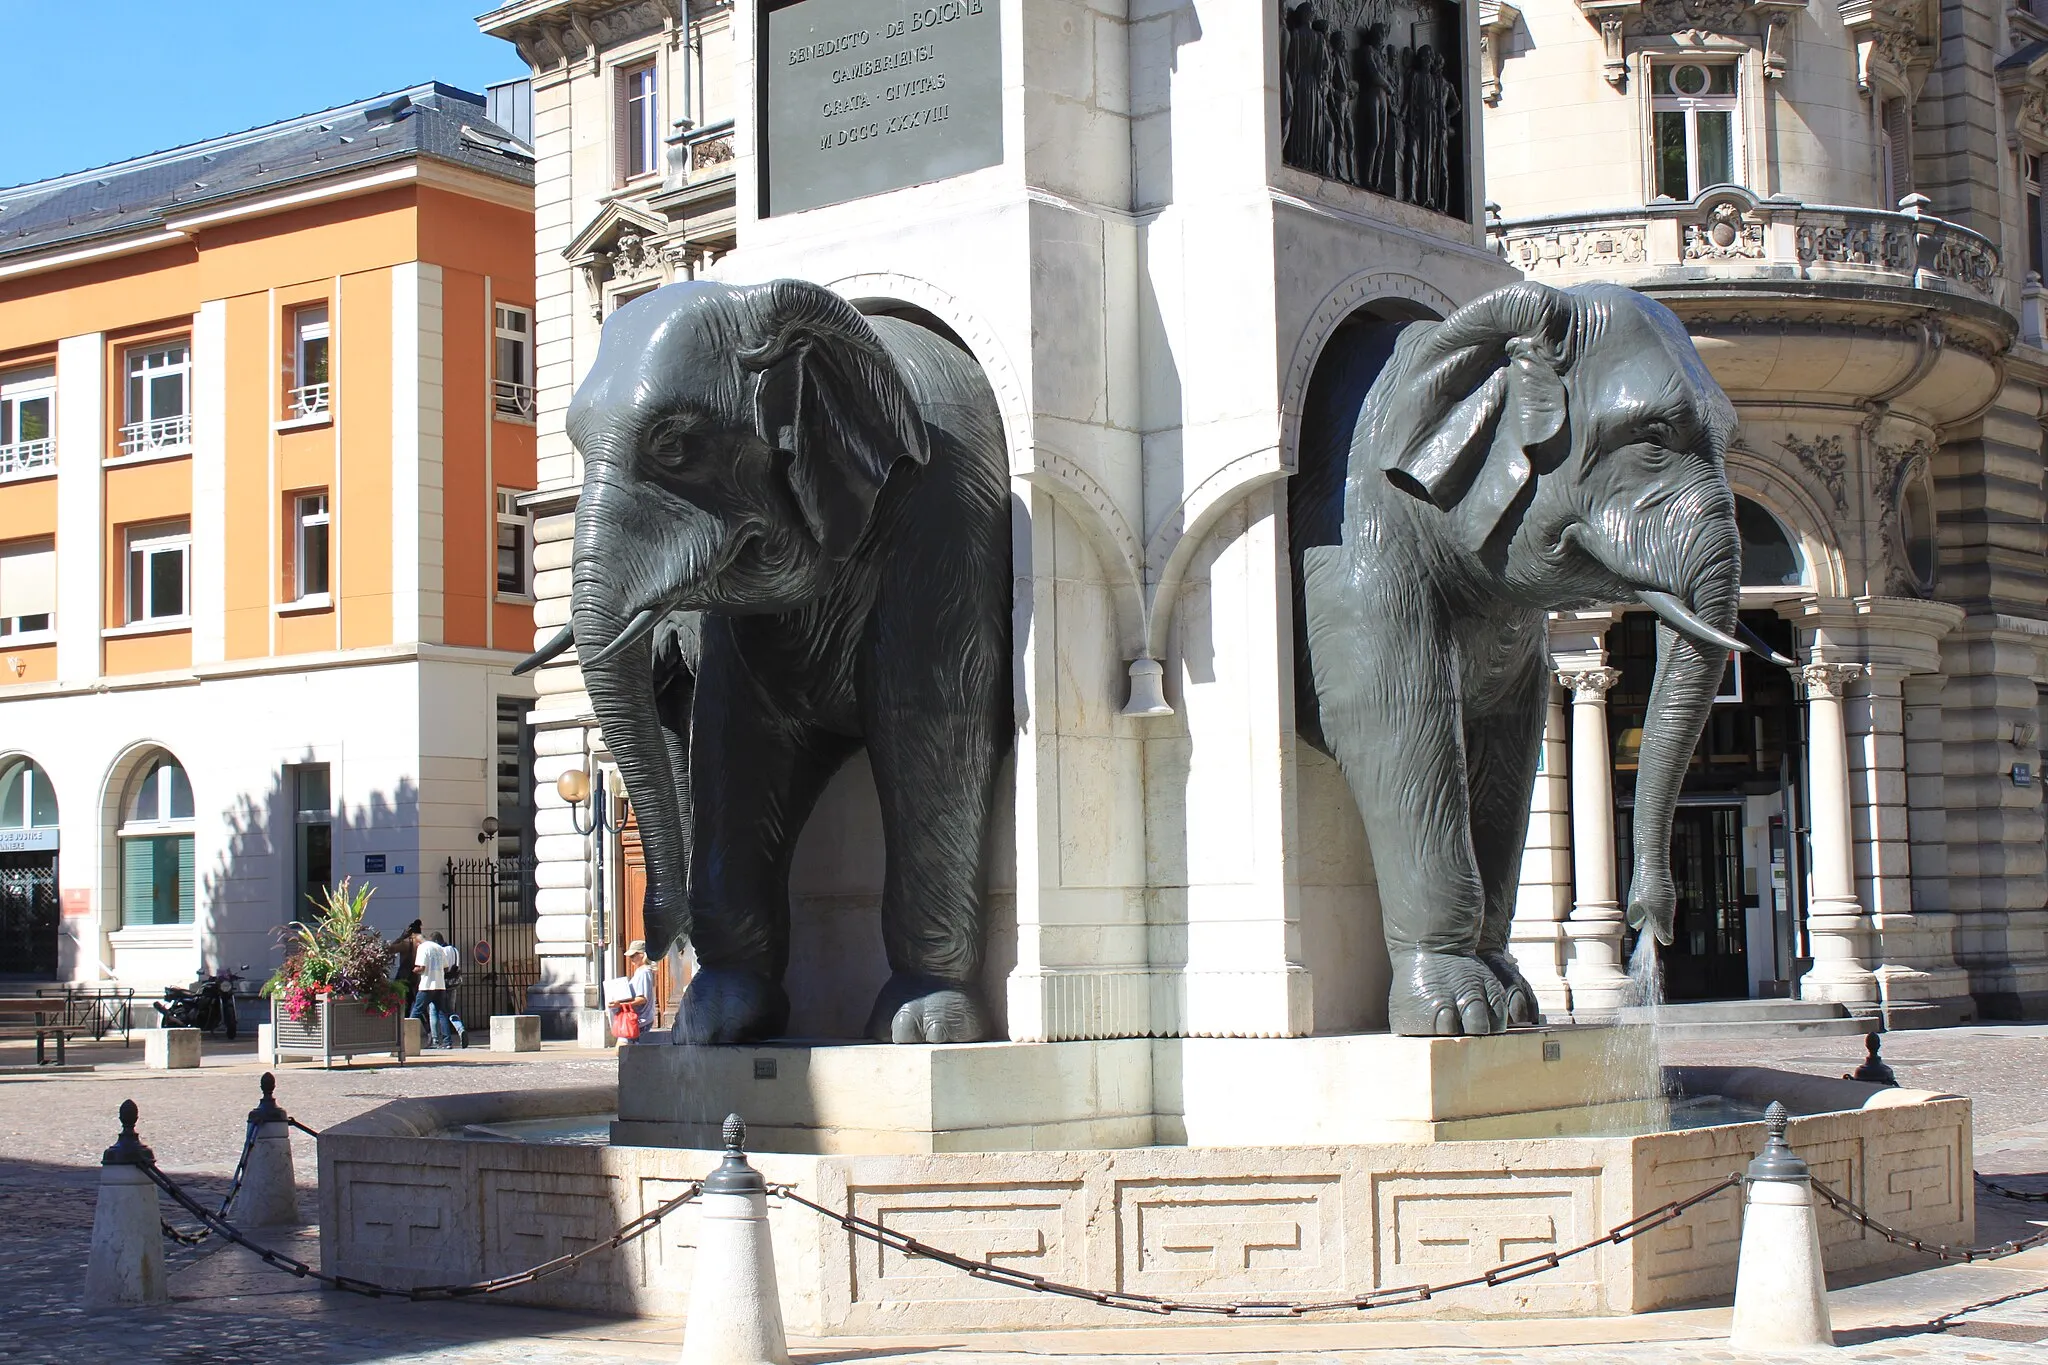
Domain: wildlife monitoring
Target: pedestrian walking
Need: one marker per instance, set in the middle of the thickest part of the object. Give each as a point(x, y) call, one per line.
point(435, 961)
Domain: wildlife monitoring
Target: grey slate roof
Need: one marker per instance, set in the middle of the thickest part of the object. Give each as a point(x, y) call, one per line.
point(436, 121)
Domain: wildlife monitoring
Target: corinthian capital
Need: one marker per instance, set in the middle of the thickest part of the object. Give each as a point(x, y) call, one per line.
point(1589, 685)
point(1829, 680)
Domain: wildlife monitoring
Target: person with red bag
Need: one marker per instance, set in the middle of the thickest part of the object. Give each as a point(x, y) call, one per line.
point(633, 1017)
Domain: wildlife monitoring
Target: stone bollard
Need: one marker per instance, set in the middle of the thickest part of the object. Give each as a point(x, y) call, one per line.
point(269, 1196)
point(170, 1049)
point(1781, 1288)
point(735, 1309)
point(126, 1265)
point(515, 1033)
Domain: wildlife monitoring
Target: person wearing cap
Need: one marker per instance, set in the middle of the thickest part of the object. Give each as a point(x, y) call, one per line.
point(642, 976)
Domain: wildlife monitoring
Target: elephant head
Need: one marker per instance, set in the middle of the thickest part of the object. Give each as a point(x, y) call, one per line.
point(1573, 441)
point(734, 443)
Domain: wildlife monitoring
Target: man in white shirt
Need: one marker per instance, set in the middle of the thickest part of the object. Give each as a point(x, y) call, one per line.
point(435, 958)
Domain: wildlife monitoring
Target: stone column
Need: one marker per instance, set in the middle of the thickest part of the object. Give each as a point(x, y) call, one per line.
point(1543, 901)
point(1839, 929)
point(1595, 973)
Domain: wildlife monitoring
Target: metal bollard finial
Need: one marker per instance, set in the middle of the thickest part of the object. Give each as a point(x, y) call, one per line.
point(128, 1149)
point(1875, 1070)
point(267, 1109)
point(734, 1175)
point(1777, 1161)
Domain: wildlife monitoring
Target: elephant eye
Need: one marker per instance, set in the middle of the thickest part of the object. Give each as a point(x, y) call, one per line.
point(668, 441)
point(1659, 433)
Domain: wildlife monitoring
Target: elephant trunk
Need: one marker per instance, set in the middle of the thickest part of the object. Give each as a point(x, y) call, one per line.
point(1689, 673)
point(608, 562)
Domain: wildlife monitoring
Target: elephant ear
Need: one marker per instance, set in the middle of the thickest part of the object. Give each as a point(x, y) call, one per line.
point(828, 395)
point(1481, 407)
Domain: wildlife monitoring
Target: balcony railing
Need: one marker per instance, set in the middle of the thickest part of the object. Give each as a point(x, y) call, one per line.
point(164, 433)
point(309, 400)
point(514, 400)
point(1728, 232)
point(23, 457)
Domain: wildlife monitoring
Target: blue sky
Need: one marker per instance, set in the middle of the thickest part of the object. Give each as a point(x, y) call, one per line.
point(94, 81)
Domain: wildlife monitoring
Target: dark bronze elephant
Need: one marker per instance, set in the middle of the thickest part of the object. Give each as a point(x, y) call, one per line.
point(1539, 449)
point(793, 543)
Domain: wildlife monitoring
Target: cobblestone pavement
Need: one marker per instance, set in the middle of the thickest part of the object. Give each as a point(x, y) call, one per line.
point(229, 1308)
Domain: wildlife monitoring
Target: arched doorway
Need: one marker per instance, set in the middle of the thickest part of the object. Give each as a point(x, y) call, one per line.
point(29, 912)
point(1731, 855)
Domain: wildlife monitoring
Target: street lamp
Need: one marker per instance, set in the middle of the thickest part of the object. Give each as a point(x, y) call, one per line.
point(574, 786)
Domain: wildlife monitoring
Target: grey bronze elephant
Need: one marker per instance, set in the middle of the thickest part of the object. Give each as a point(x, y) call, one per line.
point(793, 543)
point(1538, 449)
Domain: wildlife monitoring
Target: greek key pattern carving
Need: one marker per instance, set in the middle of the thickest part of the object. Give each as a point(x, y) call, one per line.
point(1576, 249)
point(1824, 458)
point(1846, 243)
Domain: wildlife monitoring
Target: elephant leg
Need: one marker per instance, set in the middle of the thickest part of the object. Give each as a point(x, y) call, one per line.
point(1502, 743)
point(1390, 707)
point(935, 774)
point(757, 776)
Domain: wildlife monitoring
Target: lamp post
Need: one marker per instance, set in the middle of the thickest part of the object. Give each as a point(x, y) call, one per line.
point(575, 786)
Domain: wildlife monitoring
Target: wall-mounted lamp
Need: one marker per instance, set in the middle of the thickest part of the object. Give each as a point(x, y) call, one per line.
point(488, 830)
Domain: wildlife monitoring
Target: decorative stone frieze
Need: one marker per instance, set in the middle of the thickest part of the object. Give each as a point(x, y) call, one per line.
point(1726, 235)
point(1825, 459)
point(1760, 23)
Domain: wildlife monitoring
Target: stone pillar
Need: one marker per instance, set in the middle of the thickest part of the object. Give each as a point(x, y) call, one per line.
point(1595, 972)
point(1839, 929)
point(1543, 901)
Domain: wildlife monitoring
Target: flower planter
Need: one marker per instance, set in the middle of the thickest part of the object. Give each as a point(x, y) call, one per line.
point(339, 1027)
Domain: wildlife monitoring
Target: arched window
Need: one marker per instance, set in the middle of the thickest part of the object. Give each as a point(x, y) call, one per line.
point(156, 845)
point(1769, 558)
point(27, 800)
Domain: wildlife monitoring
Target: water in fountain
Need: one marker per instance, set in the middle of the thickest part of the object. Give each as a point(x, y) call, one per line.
point(1635, 1052)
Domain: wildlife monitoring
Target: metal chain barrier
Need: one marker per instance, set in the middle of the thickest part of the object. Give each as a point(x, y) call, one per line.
point(309, 1132)
point(292, 1265)
point(1147, 1303)
point(2008, 1192)
point(193, 1239)
point(1850, 1209)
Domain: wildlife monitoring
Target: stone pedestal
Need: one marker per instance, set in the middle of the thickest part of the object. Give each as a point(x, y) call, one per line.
point(1136, 1092)
point(170, 1049)
point(515, 1033)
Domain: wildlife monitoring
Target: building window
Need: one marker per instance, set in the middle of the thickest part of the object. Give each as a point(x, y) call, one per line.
point(159, 412)
point(638, 132)
point(313, 816)
point(514, 383)
point(309, 547)
point(308, 360)
point(27, 800)
point(2031, 165)
point(156, 847)
point(1695, 124)
point(28, 588)
point(515, 533)
point(28, 429)
point(159, 570)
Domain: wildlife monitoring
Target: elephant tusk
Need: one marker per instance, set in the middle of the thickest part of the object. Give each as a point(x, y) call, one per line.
point(1760, 649)
point(642, 622)
point(564, 637)
point(1680, 618)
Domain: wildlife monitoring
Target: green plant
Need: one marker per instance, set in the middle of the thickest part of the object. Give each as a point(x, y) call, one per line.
point(337, 953)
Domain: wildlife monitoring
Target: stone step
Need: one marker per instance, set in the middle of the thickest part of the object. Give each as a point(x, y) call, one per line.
point(1736, 1012)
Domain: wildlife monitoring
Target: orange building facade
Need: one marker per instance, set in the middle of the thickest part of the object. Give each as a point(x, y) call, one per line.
point(265, 420)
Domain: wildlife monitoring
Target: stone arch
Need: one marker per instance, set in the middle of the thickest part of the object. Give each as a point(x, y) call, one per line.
point(1398, 296)
point(1787, 499)
point(8, 759)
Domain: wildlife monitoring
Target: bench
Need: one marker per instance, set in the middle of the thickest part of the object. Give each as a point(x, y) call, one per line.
point(38, 1018)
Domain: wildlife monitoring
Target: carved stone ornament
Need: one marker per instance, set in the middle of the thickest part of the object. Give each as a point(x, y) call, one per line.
point(1726, 235)
point(1589, 686)
point(1497, 20)
point(1894, 38)
point(1898, 467)
point(1764, 23)
point(1830, 680)
point(1571, 248)
point(1824, 458)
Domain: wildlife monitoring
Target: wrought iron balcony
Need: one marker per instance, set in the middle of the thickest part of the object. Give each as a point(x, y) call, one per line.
point(513, 400)
point(23, 457)
point(309, 400)
point(1728, 233)
point(164, 433)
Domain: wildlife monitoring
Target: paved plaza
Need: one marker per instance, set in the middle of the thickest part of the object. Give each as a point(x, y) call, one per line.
point(229, 1307)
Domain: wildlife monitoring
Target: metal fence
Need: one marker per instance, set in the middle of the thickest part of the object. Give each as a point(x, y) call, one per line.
point(489, 904)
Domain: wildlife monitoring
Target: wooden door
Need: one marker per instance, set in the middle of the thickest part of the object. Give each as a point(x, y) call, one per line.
point(633, 890)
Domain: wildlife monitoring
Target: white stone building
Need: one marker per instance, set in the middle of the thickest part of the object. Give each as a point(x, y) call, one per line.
point(1842, 203)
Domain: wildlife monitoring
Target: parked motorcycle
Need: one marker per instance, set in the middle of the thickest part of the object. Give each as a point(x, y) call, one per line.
point(208, 1003)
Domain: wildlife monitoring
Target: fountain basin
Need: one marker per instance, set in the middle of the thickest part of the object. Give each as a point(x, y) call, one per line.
point(406, 1200)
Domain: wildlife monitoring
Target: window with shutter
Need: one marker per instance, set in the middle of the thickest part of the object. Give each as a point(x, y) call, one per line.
point(28, 587)
point(1898, 152)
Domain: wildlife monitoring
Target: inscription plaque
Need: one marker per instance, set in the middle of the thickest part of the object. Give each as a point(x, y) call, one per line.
point(859, 97)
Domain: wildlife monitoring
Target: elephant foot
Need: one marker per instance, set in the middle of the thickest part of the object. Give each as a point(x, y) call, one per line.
point(1522, 1011)
point(925, 1009)
point(725, 1006)
point(1438, 994)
